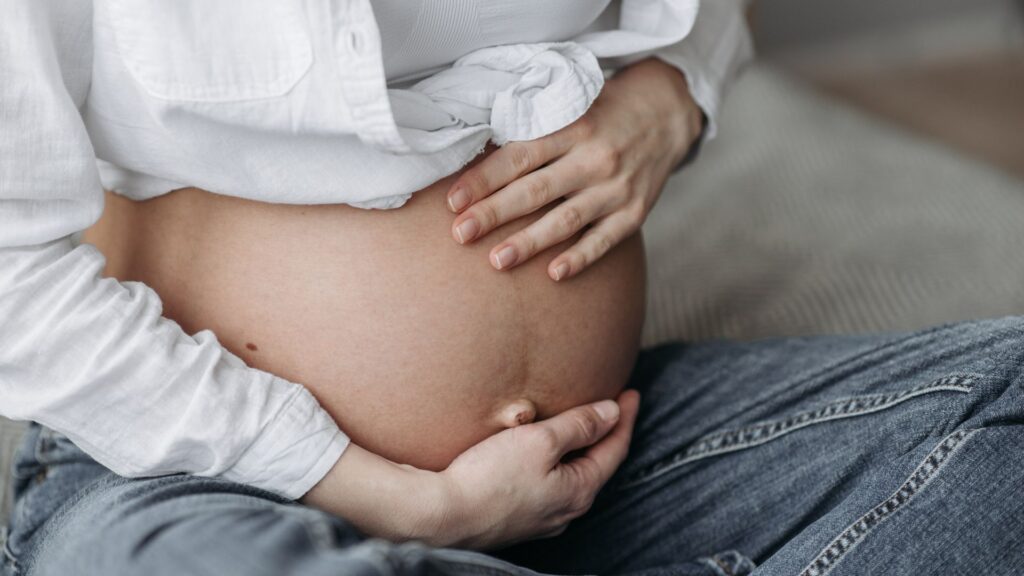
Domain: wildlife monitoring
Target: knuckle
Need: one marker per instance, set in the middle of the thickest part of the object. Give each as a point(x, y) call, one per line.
point(602, 244)
point(537, 190)
point(580, 502)
point(548, 440)
point(575, 259)
point(608, 159)
point(572, 219)
point(620, 196)
point(487, 215)
point(586, 423)
point(584, 127)
point(476, 183)
point(521, 157)
point(525, 242)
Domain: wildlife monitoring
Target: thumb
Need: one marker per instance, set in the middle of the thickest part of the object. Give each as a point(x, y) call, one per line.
point(579, 427)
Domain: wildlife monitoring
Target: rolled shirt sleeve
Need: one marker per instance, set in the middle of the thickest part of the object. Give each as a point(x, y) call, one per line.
point(712, 55)
point(707, 41)
point(92, 357)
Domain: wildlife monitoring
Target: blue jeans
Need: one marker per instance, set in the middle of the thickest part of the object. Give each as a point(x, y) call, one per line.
point(897, 454)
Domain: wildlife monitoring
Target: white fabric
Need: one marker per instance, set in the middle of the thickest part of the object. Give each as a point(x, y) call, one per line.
point(276, 100)
point(419, 37)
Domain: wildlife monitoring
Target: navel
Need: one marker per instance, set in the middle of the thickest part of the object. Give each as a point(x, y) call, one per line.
point(517, 413)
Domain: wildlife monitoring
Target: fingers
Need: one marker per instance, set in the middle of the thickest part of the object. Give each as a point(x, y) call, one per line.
point(523, 196)
point(605, 457)
point(577, 428)
point(557, 225)
point(586, 475)
point(502, 167)
point(595, 243)
point(580, 479)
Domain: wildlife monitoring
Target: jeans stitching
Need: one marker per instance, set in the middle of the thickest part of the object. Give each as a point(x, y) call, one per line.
point(727, 441)
point(928, 469)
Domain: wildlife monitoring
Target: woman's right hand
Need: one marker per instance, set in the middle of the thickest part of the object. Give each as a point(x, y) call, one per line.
point(514, 486)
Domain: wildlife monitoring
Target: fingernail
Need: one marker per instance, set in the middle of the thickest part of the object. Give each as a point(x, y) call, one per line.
point(467, 231)
point(608, 410)
point(505, 257)
point(561, 271)
point(458, 200)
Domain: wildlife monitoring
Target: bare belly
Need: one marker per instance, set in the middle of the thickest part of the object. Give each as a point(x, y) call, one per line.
point(413, 343)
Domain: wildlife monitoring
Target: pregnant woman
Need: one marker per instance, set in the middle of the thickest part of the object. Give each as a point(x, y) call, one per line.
point(312, 278)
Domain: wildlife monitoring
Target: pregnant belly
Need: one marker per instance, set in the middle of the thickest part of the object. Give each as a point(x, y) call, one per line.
point(413, 343)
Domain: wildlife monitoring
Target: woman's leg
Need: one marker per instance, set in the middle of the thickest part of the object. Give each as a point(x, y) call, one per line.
point(75, 518)
point(837, 455)
point(861, 455)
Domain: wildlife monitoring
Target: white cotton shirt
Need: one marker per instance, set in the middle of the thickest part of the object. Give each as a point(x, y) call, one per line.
point(284, 101)
point(420, 37)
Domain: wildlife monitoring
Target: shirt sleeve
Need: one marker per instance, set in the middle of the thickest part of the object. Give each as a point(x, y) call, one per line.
point(712, 55)
point(91, 357)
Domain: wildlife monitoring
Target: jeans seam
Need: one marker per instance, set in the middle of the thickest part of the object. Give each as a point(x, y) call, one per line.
point(872, 352)
point(734, 440)
point(8, 554)
point(855, 533)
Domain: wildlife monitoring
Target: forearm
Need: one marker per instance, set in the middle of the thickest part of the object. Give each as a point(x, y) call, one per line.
point(712, 55)
point(382, 498)
point(515, 485)
point(89, 356)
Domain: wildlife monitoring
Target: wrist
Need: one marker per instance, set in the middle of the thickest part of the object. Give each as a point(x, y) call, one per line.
point(686, 116)
point(381, 498)
point(671, 102)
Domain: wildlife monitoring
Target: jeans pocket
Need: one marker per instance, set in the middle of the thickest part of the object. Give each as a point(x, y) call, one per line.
point(758, 433)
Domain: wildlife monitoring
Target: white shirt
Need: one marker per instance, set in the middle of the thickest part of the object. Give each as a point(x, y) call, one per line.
point(275, 100)
point(419, 37)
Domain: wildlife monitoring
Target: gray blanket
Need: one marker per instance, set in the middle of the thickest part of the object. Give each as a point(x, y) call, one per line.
point(807, 217)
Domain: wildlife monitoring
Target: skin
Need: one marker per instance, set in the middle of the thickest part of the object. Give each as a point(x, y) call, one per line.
point(607, 170)
point(511, 487)
point(316, 295)
point(414, 344)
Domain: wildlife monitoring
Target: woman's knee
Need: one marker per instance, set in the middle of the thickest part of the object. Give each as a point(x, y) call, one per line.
point(159, 525)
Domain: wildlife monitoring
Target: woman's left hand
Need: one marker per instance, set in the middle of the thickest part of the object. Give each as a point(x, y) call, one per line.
point(606, 170)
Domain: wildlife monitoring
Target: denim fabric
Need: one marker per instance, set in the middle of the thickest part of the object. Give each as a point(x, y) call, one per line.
point(895, 454)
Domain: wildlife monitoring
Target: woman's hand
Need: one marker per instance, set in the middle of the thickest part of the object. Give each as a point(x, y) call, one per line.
point(516, 485)
point(513, 486)
point(606, 170)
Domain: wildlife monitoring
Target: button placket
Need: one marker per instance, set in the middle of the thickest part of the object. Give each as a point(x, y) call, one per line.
point(357, 45)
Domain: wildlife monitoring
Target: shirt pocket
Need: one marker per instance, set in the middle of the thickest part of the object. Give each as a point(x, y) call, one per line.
point(212, 51)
